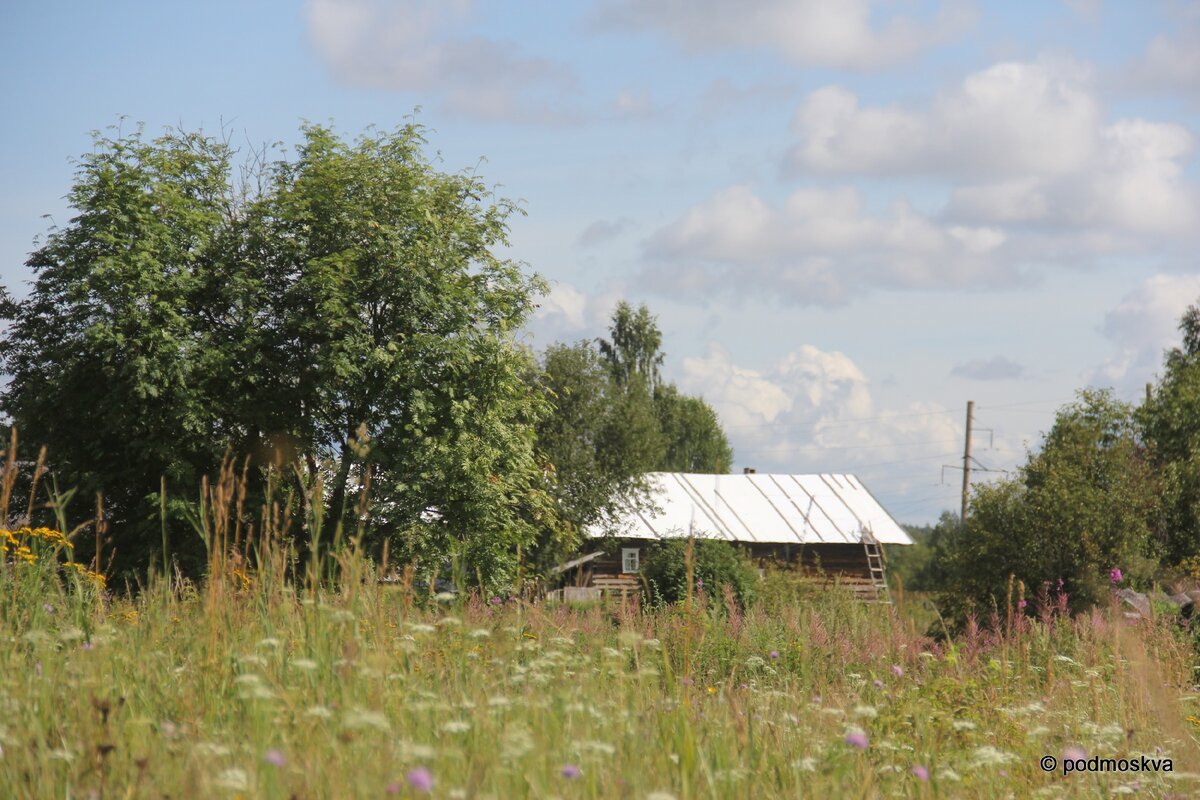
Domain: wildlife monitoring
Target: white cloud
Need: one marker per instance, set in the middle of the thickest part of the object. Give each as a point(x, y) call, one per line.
point(813, 411)
point(1008, 118)
point(566, 313)
point(420, 45)
point(820, 247)
point(840, 34)
point(1025, 143)
point(1142, 326)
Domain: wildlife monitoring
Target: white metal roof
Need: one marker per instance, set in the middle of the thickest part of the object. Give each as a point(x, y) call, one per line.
point(775, 509)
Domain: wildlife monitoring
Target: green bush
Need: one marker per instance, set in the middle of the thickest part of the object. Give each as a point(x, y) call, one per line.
point(715, 565)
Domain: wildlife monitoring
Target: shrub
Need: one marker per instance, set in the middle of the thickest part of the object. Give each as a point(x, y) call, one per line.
point(715, 565)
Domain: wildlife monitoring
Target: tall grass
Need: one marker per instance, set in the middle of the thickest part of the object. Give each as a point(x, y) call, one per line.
point(252, 684)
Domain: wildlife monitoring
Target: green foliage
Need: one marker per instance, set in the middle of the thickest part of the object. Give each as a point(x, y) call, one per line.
point(1080, 507)
point(921, 567)
point(347, 317)
point(715, 565)
point(614, 420)
point(634, 352)
point(694, 440)
point(601, 439)
point(1170, 422)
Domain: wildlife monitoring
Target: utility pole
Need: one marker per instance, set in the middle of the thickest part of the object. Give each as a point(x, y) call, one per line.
point(966, 490)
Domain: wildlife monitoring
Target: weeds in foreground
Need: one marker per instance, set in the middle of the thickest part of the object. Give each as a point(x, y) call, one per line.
point(255, 685)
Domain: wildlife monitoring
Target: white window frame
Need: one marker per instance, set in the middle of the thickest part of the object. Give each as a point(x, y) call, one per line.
point(629, 554)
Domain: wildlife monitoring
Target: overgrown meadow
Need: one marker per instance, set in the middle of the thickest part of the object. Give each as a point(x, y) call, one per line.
point(250, 685)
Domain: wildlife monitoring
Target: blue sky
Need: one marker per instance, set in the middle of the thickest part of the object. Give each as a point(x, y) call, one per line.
point(849, 217)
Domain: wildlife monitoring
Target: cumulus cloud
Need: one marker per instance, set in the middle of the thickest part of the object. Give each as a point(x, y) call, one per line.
point(819, 247)
point(566, 313)
point(1023, 142)
point(420, 45)
point(1035, 176)
point(1142, 326)
point(813, 411)
point(841, 34)
point(996, 368)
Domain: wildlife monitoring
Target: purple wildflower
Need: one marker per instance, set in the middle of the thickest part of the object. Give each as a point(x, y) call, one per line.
point(774, 654)
point(275, 757)
point(686, 681)
point(571, 771)
point(420, 779)
point(921, 773)
point(1074, 753)
point(1021, 604)
point(393, 788)
point(857, 739)
point(898, 670)
point(497, 601)
point(1115, 575)
point(878, 683)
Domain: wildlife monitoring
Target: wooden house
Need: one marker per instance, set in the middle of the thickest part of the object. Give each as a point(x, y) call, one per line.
point(831, 526)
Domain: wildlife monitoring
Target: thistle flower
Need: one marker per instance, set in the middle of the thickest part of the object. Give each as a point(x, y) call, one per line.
point(921, 773)
point(1115, 575)
point(275, 757)
point(571, 771)
point(857, 739)
point(420, 779)
point(898, 670)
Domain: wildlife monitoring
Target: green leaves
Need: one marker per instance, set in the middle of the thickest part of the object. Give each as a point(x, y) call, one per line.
point(358, 287)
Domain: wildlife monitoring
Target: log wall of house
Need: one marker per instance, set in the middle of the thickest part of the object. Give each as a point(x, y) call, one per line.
point(834, 559)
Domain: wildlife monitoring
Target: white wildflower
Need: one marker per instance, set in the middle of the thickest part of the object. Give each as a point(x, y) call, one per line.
point(234, 779)
point(988, 755)
point(358, 718)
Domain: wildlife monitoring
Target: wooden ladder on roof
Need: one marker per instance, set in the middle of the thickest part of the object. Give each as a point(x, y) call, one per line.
point(875, 566)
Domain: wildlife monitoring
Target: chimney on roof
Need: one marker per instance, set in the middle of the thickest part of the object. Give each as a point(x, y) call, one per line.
point(748, 470)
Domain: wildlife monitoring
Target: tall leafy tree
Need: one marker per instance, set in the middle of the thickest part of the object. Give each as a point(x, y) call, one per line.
point(616, 420)
point(105, 355)
point(693, 438)
point(634, 349)
point(599, 442)
point(350, 313)
point(1081, 506)
point(1170, 422)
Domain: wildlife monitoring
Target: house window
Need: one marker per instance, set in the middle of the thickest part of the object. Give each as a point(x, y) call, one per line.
point(629, 559)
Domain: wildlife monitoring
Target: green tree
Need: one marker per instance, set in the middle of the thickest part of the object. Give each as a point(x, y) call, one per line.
point(349, 313)
point(1170, 422)
point(600, 440)
point(634, 351)
point(693, 437)
point(1081, 506)
point(105, 357)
